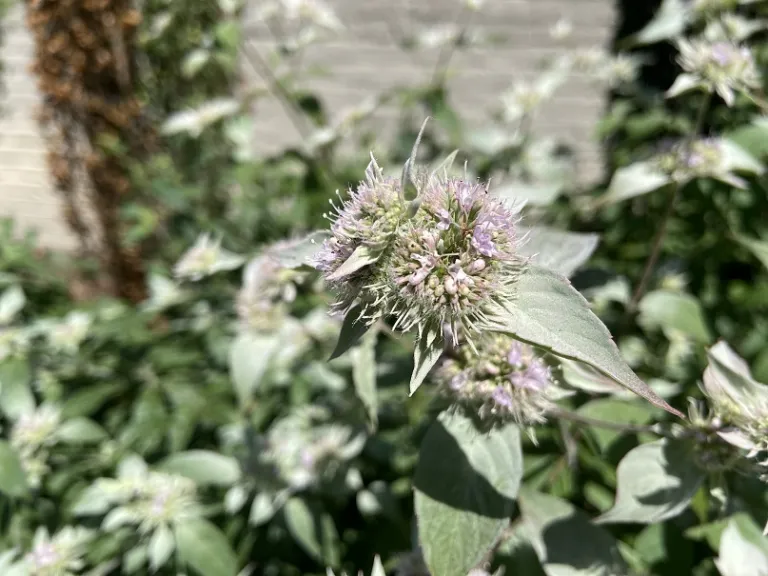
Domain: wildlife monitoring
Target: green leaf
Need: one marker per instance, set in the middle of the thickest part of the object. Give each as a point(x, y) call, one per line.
point(11, 303)
point(465, 485)
point(563, 252)
point(409, 190)
point(655, 482)
point(249, 359)
point(617, 411)
point(565, 540)
point(160, 548)
point(16, 396)
point(202, 466)
point(352, 330)
point(364, 376)
point(429, 348)
point(632, 181)
point(13, 480)
point(670, 21)
point(88, 400)
point(547, 312)
point(298, 253)
point(204, 548)
point(80, 431)
point(263, 508)
point(93, 501)
point(759, 248)
point(194, 62)
point(713, 531)
point(753, 138)
point(674, 313)
point(737, 159)
point(532, 193)
point(738, 556)
point(315, 533)
point(362, 256)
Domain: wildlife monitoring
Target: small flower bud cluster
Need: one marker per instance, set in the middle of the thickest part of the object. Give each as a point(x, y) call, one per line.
point(723, 67)
point(700, 159)
point(503, 381)
point(710, 449)
point(713, 7)
point(267, 287)
point(205, 258)
point(32, 436)
point(67, 335)
point(61, 555)
point(611, 70)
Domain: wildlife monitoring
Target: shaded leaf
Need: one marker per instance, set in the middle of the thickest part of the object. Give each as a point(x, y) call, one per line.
point(316, 534)
point(364, 376)
point(759, 248)
point(352, 330)
point(617, 411)
point(565, 540)
point(80, 431)
point(203, 466)
point(465, 485)
point(655, 482)
point(548, 312)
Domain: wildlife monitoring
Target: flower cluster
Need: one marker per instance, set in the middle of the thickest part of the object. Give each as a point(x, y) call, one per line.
point(439, 261)
point(610, 70)
point(267, 286)
point(204, 258)
point(304, 451)
point(32, 436)
point(710, 7)
point(504, 380)
point(738, 401)
point(149, 500)
point(60, 555)
point(723, 67)
point(685, 161)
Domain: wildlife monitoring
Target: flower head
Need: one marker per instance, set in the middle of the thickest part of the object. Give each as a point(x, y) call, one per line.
point(722, 67)
point(504, 380)
point(68, 334)
point(60, 555)
point(702, 158)
point(456, 256)
point(35, 430)
point(204, 258)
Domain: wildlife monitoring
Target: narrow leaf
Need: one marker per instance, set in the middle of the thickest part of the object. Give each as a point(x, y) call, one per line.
point(13, 481)
point(655, 482)
point(360, 258)
point(428, 350)
point(352, 330)
point(465, 485)
point(549, 313)
point(364, 376)
point(160, 548)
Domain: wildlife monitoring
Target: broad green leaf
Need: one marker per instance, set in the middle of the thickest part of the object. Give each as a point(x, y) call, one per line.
point(161, 546)
point(93, 501)
point(685, 83)
point(753, 138)
point(616, 411)
point(204, 548)
point(632, 181)
point(563, 252)
point(297, 253)
point(549, 313)
point(249, 358)
point(565, 540)
point(738, 556)
point(759, 248)
point(315, 533)
point(13, 481)
point(532, 193)
point(674, 313)
point(670, 21)
point(263, 508)
point(11, 303)
point(465, 485)
point(364, 376)
point(586, 378)
point(429, 348)
point(713, 531)
point(88, 400)
point(655, 482)
point(362, 256)
point(203, 466)
point(16, 396)
point(738, 159)
point(352, 330)
point(80, 431)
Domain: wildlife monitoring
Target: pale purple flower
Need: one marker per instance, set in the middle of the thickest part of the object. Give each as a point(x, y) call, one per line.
point(445, 219)
point(482, 239)
point(502, 397)
point(515, 354)
point(536, 376)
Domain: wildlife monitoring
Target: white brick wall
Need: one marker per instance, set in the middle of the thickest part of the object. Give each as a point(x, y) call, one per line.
point(362, 61)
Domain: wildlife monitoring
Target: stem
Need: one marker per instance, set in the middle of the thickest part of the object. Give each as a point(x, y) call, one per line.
point(658, 240)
